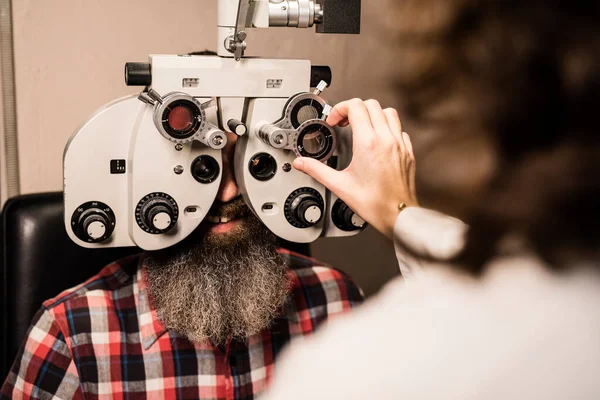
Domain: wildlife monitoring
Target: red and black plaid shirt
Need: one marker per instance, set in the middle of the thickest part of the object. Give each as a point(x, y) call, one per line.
point(103, 339)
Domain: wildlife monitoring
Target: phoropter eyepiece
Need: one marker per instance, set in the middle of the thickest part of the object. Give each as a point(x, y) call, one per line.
point(205, 169)
point(302, 128)
point(181, 118)
point(316, 140)
point(263, 166)
point(305, 110)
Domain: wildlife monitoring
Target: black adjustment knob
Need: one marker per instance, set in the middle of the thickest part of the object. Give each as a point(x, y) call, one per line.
point(157, 213)
point(238, 127)
point(308, 210)
point(159, 217)
point(138, 74)
point(304, 208)
point(93, 222)
point(345, 219)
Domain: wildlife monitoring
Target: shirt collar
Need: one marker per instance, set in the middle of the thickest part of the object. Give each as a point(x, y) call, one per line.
point(151, 328)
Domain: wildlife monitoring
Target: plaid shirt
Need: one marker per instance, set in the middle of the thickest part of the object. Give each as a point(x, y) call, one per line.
point(103, 340)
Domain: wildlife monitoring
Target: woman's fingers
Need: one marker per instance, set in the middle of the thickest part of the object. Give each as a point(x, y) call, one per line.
point(393, 121)
point(349, 111)
point(339, 114)
point(356, 113)
point(369, 122)
point(378, 119)
point(408, 143)
point(411, 163)
point(381, 173)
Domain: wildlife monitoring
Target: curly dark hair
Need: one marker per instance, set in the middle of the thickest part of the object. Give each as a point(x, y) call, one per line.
point(507, 95)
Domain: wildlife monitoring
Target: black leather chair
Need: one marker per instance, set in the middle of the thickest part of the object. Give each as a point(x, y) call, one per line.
point(39, 261)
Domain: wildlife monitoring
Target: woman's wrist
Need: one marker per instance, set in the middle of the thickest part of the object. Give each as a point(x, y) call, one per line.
point(398, 212)
point(394, 215)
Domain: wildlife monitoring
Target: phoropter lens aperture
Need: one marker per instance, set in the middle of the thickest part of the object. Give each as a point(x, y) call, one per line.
point(263, 167)
point(305, 110)
point(205, 169)
point(181, 119)
point(315, 141)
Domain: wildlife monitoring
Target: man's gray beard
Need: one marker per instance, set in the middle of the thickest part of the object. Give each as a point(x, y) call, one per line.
point(219, 286)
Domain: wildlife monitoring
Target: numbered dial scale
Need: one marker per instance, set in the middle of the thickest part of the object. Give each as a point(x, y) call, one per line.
point(157, 213)
point(93, 222)
point(304, 208)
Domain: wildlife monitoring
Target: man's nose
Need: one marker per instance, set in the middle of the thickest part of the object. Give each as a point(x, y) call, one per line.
point(228, 189)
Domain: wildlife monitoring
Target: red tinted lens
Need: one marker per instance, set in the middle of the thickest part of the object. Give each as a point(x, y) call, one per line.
point(180, 118)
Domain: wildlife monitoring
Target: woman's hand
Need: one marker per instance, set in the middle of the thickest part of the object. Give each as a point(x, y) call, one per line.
point(381, 175)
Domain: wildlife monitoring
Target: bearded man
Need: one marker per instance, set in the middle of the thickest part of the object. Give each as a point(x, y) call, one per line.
point(205, 319)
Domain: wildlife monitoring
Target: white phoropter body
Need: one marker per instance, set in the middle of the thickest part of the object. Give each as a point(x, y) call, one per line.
point(145, 170)
point(123, 133)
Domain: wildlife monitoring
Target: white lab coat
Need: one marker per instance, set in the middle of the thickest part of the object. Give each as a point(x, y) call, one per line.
point(519, 332)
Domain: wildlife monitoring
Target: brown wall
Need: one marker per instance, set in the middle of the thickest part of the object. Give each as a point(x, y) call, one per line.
point(2, 164)
point(69, 61)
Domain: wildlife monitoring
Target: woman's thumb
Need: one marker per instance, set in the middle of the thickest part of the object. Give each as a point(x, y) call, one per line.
point(322, 173)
